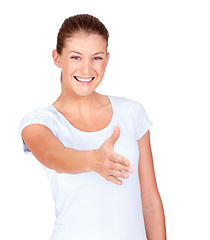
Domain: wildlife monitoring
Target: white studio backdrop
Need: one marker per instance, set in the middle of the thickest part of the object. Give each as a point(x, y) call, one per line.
point(160, 56)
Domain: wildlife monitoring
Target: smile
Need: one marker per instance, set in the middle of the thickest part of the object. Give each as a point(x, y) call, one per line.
point(84, 79)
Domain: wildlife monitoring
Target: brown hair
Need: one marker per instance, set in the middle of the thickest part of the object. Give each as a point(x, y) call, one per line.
point(82, 22)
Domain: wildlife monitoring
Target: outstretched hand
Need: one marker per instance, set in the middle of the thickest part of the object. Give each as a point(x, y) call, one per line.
point(109, 164)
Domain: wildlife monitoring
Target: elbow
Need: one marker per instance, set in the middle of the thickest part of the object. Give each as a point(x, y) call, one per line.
point(152, 201)
point(48, 160)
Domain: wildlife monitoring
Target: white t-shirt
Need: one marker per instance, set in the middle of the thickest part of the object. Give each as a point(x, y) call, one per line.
point(88, 207)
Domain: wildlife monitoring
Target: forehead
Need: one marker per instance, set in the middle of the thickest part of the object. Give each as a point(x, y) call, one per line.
point(85, 42)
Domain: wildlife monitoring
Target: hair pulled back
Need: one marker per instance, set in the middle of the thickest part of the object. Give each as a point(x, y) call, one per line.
point(82, 22)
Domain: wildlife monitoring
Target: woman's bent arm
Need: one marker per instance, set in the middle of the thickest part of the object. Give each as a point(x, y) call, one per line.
point(51, 152)
point(151, 202)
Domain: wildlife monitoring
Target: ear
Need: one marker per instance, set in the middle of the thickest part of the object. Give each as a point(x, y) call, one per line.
point(56, 58)
point(107, 58)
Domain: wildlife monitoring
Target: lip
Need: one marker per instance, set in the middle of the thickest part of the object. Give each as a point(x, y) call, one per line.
point(84, 79)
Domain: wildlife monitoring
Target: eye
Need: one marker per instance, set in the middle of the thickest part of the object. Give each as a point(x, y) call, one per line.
point(75, 57)
point(97, 58)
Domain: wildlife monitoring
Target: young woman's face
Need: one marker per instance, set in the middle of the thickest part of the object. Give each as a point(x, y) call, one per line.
point(83, 62)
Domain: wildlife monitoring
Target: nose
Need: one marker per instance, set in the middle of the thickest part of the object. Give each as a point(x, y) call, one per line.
point(86, 67)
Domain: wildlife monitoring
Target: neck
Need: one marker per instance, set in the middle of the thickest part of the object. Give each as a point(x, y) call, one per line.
point(77, 103)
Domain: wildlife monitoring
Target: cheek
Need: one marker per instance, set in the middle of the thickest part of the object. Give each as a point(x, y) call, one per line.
point(101, 68)
point(70, 68)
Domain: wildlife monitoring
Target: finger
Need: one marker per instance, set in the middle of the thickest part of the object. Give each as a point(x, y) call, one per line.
point(115, 136)
point(114, 180)
point(121, 167)
point(118, 174)
point(120, 159)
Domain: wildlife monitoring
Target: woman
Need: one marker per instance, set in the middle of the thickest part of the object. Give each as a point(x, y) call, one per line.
point(95, 149)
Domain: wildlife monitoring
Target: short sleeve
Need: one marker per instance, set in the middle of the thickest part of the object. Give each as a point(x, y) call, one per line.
point(38, 116)
point(143, 124)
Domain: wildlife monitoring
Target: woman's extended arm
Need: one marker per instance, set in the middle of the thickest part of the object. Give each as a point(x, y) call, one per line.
point(51, 152)
point(151, 201)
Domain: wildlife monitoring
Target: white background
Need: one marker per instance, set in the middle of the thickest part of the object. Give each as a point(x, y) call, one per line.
point(160, 56)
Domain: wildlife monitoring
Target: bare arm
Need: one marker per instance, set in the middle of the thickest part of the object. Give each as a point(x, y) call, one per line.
point(51, 152)
point(151, 201)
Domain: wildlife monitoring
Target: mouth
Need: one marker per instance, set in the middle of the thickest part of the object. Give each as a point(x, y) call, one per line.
point(84, 79)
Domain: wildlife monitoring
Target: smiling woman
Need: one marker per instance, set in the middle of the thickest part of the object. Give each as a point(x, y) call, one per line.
point(95, 149)
point(84, 58)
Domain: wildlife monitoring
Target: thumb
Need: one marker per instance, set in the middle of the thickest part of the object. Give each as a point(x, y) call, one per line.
point(115, 136)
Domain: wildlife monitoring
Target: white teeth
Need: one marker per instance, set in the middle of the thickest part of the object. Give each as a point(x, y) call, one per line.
point(84, 79)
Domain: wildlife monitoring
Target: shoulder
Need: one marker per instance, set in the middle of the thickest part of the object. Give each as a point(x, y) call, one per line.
point(40, 113)
point(44, 116)
point(127, 104)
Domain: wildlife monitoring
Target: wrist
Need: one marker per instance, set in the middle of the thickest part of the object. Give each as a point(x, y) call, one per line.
point(91, 156)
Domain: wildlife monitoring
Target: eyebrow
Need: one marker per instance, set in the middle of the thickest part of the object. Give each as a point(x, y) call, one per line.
point(75, 52)
point(98, 53)
point(81, 53)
